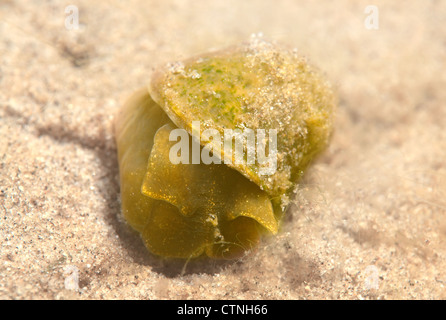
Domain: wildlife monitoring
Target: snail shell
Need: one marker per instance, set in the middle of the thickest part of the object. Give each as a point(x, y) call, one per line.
point(186, 208)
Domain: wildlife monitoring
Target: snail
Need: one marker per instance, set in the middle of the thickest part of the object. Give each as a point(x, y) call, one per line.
point(211, 151)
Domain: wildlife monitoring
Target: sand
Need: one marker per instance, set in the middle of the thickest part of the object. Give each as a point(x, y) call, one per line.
point(368, 220)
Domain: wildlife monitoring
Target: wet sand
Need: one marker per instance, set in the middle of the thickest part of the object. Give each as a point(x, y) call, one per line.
point(368, 221)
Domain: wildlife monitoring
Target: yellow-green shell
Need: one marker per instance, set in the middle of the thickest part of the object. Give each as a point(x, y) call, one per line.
point(185, 210)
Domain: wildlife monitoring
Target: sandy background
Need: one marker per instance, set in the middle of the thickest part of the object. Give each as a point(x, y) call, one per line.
point(368, 220)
